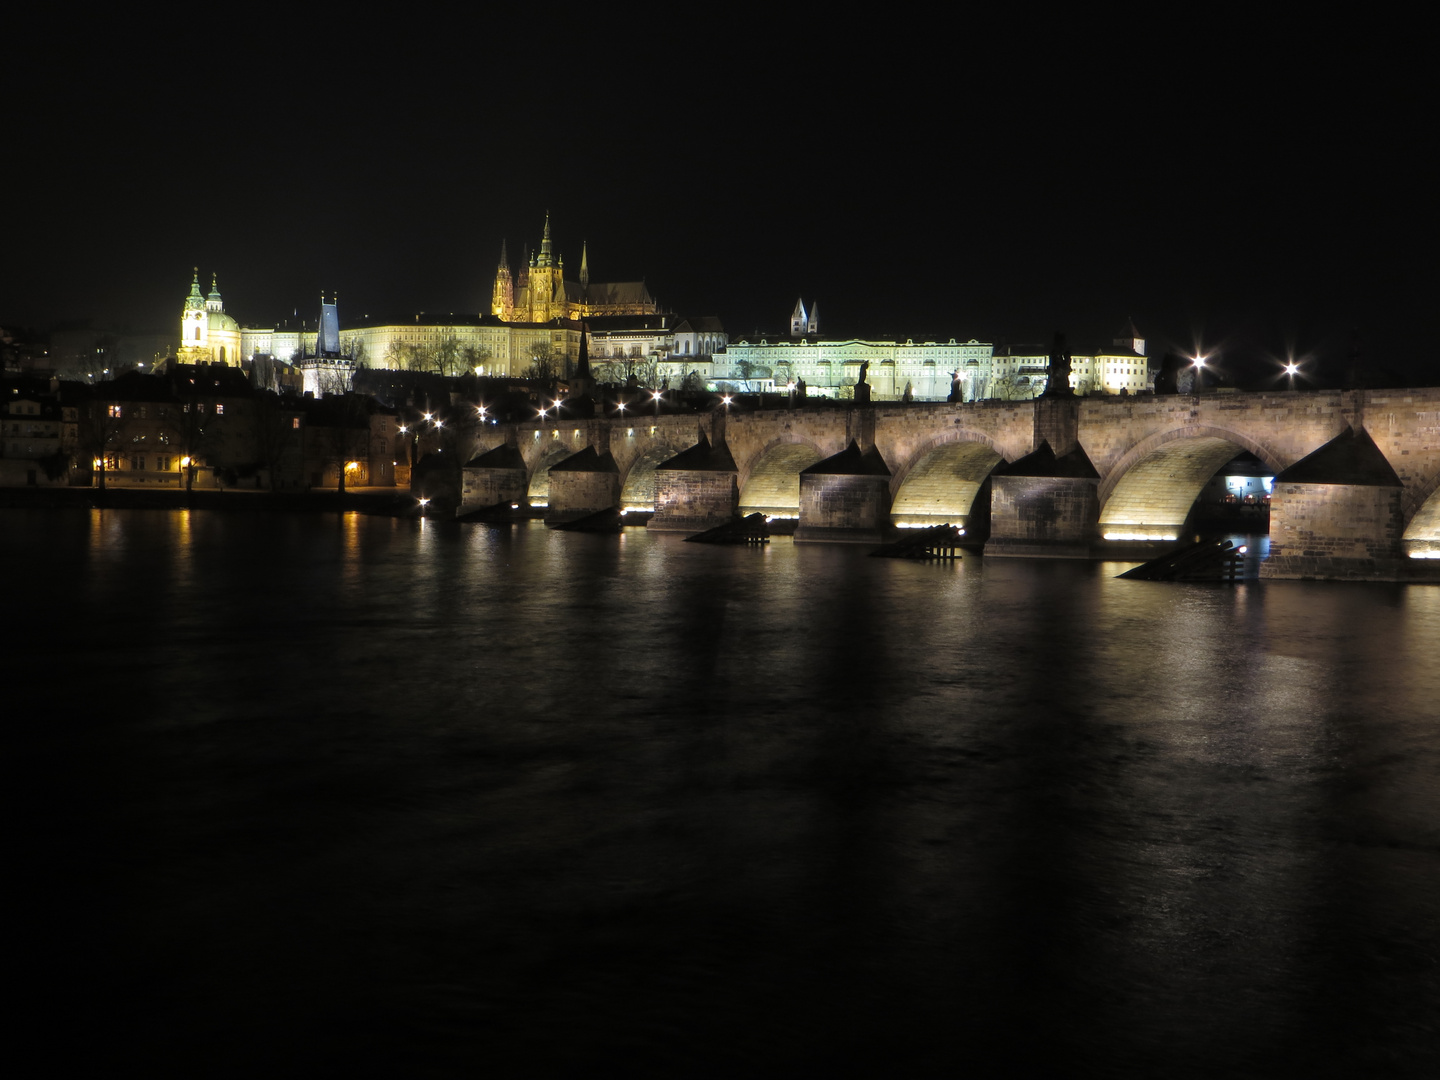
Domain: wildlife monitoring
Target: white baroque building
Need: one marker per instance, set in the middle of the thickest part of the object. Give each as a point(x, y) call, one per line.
point(921, 371)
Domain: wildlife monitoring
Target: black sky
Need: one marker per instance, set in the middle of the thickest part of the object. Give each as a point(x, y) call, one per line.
point(1254, 189)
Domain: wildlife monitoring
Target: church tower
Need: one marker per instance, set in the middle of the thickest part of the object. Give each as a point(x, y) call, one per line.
point(207, 334)
point(545, 280)
point(1130, 338)
point(799, 321)
point(502, 298)
point(194, 323)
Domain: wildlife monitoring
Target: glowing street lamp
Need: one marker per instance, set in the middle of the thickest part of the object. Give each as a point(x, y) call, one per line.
point(1199, 364)
point(725, 400)
point(657, 395)
point(1290, 370)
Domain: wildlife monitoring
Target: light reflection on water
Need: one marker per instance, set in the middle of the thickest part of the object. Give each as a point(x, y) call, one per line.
point(371, 790)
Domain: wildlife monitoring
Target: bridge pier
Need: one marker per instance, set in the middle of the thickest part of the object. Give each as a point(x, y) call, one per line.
point(1338, 514)
point(697, 489)
point(845, 498)
point(583, 484)
point(1046, 507)
point(496, 477)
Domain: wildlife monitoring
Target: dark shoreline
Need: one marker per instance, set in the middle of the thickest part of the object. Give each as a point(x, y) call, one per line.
point(400, 503)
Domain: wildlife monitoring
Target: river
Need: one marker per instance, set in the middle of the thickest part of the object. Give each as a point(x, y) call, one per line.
point(335, 794)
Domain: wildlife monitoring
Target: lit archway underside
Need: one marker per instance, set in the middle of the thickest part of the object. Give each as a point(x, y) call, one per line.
point(539, 491)
point(774, 483)
point(1421, 539)
point(941, 488)
point(1152, 500)
point(639, 490)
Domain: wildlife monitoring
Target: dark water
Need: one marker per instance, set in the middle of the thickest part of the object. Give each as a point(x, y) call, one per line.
point(343, 795)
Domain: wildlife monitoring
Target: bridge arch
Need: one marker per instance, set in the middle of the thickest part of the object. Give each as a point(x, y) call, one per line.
point(771, 479)
point(538, 491)
point(1149, 492)
point(637, 484)
point(939, 482)
point(1421, 538)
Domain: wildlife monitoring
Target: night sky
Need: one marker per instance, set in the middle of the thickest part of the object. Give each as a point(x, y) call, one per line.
point(1255, 189)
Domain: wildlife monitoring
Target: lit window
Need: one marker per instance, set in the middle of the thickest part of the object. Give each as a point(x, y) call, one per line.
point(115, 411)
point(219, 410)
point(295, 422)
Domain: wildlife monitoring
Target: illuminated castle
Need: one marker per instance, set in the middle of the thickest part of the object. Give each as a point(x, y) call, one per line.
point(207, 334)
point(540, 293)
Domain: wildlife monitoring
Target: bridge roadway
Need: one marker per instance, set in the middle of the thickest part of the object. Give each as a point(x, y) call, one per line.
point(1152, 453)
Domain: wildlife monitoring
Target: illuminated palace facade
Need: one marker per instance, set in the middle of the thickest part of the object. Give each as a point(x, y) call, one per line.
point(920, 371)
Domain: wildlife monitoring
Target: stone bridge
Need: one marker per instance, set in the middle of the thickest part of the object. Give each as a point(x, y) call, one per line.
point(1120, 470)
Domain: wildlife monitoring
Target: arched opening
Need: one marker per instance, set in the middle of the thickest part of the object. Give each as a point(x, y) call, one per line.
point(773, 487)
point(638, 493)
point(941, 487)
point(1156, 497)
point(1421, 539)
point(539, 491)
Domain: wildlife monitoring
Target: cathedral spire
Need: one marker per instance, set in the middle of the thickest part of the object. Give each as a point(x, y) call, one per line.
point(545, 249)
point(584, 266)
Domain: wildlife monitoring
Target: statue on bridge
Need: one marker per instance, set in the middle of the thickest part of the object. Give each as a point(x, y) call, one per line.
point(862, 388)
point(1057, 373)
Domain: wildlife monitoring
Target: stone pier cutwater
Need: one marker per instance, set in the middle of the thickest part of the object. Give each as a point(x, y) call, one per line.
point(1045, 506)
point(583, 484)
point(846, 498)
point(1096, 476)
point(697, 489)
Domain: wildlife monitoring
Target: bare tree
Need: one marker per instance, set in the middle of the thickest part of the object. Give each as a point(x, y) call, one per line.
point(101, 429)
point(747, 369)
point(276, 432)
point(400, 356)
point(475, 357)
point(542, 362)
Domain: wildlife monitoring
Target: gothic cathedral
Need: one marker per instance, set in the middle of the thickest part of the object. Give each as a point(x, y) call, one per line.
point(541, 294)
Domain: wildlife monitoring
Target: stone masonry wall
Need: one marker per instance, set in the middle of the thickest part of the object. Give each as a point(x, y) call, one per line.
point(1032, 515)
point(574, 494)
point(843, 507)
point(693, 500)
point(1334, 530)
point(487, 487)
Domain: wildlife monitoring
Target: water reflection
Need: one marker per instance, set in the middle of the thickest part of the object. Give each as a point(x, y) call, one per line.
point(717, 810)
